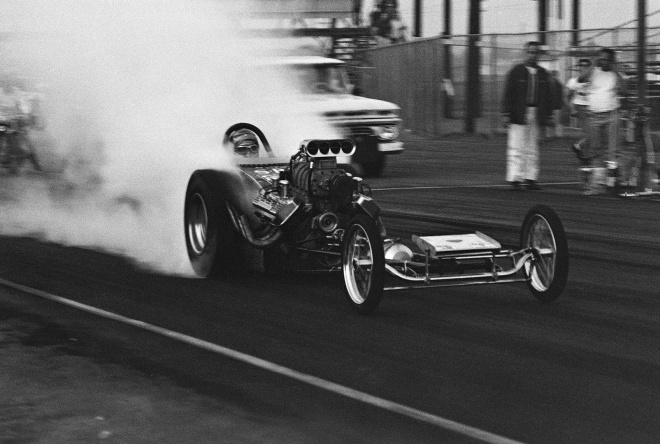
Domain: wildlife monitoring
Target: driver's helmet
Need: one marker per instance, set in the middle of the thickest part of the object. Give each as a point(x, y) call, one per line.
point(246, 143)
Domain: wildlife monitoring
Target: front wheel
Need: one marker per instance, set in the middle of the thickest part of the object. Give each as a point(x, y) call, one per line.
point(547, 271)
point(363, 264)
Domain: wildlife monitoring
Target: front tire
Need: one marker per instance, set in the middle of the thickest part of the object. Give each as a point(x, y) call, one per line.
point(547, 272)
point(363, 264)
point(210, 236)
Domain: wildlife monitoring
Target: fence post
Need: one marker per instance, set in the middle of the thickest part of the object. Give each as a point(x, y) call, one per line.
point(442, 102)
point(494, 83)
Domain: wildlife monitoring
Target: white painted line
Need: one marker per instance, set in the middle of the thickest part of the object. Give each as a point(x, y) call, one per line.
point(275, 368)
point(453, 187)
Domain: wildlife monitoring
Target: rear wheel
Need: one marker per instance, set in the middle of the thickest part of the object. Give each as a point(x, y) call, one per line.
point(210, 236)
point(547, 271)
point(363, 264)
point(375, 167)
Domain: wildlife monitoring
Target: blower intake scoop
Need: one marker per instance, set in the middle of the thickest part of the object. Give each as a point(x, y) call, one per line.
point(332, 147)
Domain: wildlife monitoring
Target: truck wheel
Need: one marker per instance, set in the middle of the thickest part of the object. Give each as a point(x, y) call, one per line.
point(547, 271)
point(363, 264)
point(210, 236)
point(375, 167)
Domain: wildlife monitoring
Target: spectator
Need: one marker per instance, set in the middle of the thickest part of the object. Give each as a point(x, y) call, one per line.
point(398, 30)
point(557, 102)
point(526, 106)
point(374, 15)
point(385, 21)
point(606, 86)
point(636, 154)
point(383, 24)
point(578, 103)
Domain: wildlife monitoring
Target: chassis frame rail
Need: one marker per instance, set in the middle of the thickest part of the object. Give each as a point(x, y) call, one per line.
point(496, 275)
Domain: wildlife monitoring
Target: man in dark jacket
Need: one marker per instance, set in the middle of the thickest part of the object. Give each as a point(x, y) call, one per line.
point(527, 105)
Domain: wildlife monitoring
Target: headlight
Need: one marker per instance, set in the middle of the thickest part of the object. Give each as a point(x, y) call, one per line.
point(386, 132)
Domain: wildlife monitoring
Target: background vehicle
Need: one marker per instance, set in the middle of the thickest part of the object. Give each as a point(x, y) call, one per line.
point(322, 86)
point(15, 147)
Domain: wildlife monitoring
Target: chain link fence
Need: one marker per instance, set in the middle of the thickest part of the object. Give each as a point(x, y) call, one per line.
point(427, 78)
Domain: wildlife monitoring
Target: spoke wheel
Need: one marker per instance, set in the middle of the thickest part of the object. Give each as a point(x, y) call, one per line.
point(547, 271)
point(363, 264)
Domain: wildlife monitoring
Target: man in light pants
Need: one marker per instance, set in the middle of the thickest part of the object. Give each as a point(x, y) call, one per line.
point(526, 106)
point(606, 87)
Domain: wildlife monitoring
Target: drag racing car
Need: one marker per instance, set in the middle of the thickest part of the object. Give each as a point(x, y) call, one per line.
point(308, 213)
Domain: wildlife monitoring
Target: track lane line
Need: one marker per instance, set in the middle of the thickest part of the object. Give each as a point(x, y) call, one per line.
point(453, 187)
point(357, 395)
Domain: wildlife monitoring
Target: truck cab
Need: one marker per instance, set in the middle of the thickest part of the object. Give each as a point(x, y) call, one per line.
point(374, 125)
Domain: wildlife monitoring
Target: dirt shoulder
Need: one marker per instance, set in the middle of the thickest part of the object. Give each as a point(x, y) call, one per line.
point(51, 392)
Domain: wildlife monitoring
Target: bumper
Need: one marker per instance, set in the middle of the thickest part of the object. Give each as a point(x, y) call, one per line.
point(390, 147)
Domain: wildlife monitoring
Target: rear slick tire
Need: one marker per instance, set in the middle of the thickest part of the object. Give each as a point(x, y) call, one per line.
point(547, 271)
point(363, 264)
point(210, 236)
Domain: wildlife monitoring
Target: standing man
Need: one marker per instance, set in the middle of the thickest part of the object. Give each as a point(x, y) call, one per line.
point(606, 86)
point(527, 107)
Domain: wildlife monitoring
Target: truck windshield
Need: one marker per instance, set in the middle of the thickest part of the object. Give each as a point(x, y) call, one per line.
point(322, 79)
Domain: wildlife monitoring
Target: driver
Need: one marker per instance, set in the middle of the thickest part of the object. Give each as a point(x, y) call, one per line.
point(245, 143)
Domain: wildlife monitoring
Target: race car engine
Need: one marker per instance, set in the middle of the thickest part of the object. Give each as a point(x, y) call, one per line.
point(312, 181)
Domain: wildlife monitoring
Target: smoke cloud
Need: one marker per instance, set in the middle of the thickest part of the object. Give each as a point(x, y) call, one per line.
point(136, 96)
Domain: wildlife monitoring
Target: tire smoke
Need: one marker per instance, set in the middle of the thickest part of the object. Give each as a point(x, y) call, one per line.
point(136, 95)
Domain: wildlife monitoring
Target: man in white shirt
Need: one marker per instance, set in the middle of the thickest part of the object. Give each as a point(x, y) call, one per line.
point(606, 86)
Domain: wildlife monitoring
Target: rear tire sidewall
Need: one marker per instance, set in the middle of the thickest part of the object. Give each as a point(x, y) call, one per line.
point(362, 222)
point(215, 258)
point(560, 277)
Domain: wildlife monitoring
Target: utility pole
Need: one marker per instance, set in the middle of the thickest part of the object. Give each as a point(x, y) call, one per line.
point(641, 52)
point(648, 164)
point(575, 39)
point(418, 18)
point(543, 20)
point(474, 62)
point(357, 12)
point(447, 68)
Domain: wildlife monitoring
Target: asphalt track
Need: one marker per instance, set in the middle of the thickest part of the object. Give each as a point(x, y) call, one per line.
point(485, 363)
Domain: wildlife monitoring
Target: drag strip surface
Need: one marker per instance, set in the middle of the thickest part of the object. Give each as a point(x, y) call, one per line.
point(488, 357)
point(583, 369)
point(444, 423)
